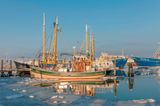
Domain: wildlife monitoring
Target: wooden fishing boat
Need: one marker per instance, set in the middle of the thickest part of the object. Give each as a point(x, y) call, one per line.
point(40, 73)
point(81, 66)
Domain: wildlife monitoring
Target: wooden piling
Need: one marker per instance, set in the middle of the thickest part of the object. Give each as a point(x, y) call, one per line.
point(130, 70)
point(10, 68)
point(10, 64)
point(115, 87)
point(130, 83)
point(114, 66)
point(2, 72)
point(1, 65)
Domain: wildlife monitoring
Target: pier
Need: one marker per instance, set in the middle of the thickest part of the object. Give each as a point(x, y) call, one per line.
point(8, 68)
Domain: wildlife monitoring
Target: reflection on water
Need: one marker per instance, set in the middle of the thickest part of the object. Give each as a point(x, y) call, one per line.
point(138, 86)
point(130, 83)
point(89, 88)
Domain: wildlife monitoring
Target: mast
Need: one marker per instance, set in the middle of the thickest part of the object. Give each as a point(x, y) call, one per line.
point(122, 51)
point(157, 53)
point(44, 40)
point(92, 48)
point(55, 41)
point(87, 48)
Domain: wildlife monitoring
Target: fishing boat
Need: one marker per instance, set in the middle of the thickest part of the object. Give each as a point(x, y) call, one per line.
point(110, 61)
point(120, 62)
point(25, 63)
point(79, 69)
point(40, 73)
point(21, 65)
point(151, 62)
point(143, 61)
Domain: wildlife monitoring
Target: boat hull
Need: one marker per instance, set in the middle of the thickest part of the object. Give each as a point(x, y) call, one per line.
point(20, 65)
point(142, 61)
point(120, 62)
point(69, 76)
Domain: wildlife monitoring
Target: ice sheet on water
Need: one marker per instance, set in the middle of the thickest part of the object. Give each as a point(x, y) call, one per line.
point(138, 102)
point(14, 96)
point(3, 79)
point(97, 102)
point(2, 83)
point(21, 82)
point(144, 101)
point(16, 89)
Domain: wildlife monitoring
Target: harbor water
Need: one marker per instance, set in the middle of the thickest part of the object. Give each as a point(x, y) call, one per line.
point(143, 90)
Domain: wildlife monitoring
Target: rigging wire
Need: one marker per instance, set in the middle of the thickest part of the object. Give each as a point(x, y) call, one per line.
point(38, 53)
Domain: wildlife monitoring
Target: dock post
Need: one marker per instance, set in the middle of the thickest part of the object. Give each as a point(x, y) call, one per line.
point(130, 70)
point(1, 65)
point(10, 67)
point(130, 83)
point(114, 66)
point(10, 64)
point(2, 72)
point(115, 87)
point(130, 75)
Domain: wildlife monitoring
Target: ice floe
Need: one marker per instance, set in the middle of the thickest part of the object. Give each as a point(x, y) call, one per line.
point(14, 96)
point(23, 91)
point(31, 96)
point(144, 101)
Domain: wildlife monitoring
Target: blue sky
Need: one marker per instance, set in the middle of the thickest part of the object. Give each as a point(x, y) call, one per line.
point(130, 24)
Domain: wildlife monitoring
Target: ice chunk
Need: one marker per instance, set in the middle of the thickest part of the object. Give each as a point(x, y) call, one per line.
point(64, 102)
point(141, 101)
point(31, 96)
point(14, 96)
point(61, 97)
point(13, 89)
point(55, 102)
point(144, 101)
point(23, 91)
point(53, 97)
point(151, 100)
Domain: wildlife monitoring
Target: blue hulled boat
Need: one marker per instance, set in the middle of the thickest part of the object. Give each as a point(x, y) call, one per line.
point(120, 62)
point(142, 61)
